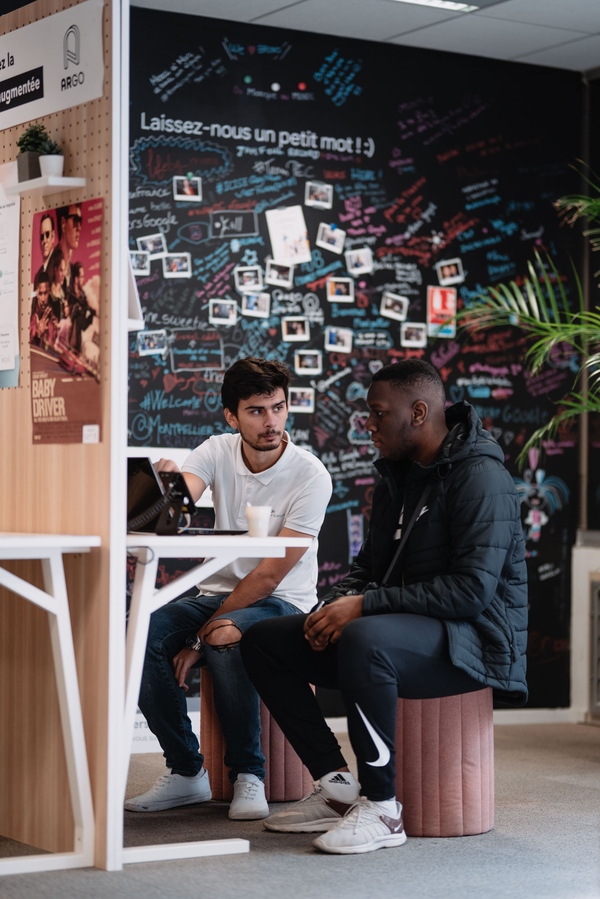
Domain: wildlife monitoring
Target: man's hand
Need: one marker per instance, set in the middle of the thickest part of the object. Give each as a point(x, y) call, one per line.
point(166, 465)
point(182, 663)
point(325, 626)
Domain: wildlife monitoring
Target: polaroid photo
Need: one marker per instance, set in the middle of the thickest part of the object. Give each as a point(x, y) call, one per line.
point(288, 235)
point(140, 262)
point(248, 277)
point(338, 340)
point(330, 237)
point(393, 306)
point(301, 399)
point(413, 334)
point(359, 262)
point(187, 189)
point(294, 328)
point(222, 312)
point(450, 271)
point(151, 342)
point(279, 275)
point(318, 195)
point(154, 244)
point(340, 290)
point(256, 304)
point(308, 362)
point(177, 265)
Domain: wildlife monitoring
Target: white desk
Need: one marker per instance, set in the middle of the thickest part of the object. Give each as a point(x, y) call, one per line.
point(49, 549)
point(215, 552)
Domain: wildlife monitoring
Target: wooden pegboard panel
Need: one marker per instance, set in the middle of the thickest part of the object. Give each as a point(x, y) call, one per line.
point(55, 488)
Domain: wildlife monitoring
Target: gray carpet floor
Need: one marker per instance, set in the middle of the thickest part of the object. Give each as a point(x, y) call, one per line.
point(545, 844)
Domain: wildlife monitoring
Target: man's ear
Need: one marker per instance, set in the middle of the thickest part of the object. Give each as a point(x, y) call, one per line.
point(420, 412)
point(231, 419)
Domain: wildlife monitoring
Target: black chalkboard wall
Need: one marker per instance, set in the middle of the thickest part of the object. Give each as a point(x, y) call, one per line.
point(435, 173)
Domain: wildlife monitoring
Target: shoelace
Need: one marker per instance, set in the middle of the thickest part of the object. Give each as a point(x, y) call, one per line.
point(249, 790)
point(353, 816)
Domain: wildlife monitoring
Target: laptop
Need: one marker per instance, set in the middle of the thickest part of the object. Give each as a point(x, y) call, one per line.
point(158, 502)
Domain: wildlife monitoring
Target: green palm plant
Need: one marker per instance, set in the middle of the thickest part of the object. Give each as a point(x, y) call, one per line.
point(541, 309)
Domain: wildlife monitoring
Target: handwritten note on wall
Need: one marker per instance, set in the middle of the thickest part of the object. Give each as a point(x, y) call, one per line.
point(287, 200)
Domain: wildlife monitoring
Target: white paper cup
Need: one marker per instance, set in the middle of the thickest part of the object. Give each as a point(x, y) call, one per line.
point(258, 518)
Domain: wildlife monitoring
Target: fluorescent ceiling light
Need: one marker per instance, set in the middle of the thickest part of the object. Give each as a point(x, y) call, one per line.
point(443, 4)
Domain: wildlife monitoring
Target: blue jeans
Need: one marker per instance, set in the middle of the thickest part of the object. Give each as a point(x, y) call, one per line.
point(163, 701)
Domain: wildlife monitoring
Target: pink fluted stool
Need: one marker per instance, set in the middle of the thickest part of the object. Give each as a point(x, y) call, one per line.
point(286, 777)
point(445, 764)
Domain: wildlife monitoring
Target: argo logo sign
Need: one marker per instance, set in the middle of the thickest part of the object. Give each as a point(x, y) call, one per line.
point(71, 57)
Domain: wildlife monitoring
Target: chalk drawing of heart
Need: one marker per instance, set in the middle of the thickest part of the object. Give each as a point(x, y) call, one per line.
point(496, 433)
point(375, 365)
point(272, 332)
point(251, 50)
point(456, 393)
point(509, 436)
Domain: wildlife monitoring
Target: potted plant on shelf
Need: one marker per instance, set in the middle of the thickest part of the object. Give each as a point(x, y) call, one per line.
point(51, 158)
point(541, 308)
point(30, 144)
point(38, 154)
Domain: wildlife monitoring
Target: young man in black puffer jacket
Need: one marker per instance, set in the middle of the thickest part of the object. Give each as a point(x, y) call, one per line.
point(446, 614)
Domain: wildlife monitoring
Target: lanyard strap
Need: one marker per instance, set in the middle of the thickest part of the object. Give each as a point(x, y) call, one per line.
point(406, 531)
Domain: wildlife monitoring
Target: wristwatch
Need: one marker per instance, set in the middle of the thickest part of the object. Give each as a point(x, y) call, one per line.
point(194, 643)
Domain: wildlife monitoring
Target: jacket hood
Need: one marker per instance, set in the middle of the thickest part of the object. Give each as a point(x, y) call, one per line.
point(466, 435)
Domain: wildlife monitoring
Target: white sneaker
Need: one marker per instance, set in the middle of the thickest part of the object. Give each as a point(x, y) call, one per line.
point(171, 791)
point(363, 829)
point(249, 801)
point(315, 813)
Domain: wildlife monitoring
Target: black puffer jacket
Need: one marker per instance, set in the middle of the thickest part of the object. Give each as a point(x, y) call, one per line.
point(464, 560)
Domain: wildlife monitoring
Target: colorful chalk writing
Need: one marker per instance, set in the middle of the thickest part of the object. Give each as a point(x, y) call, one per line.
point(396, 185)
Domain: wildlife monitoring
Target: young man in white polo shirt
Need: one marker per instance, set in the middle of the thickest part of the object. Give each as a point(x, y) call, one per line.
point(259, 465)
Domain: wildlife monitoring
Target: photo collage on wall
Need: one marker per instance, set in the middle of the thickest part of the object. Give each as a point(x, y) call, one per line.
point(285, 202)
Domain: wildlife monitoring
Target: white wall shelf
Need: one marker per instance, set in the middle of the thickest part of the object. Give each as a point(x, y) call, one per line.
point(48, 184)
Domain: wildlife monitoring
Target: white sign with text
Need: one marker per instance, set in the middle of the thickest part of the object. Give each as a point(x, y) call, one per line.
point(52, 64)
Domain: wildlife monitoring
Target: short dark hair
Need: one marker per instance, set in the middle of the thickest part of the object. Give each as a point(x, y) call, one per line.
point(63, 213)
point(411, 373)
point(251, 376)
point(47, 215)
point(42, 278)
point(54, 263)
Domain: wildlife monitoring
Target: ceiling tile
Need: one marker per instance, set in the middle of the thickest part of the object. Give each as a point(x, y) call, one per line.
point(232, 10)
point(472, 35)
point(574, 15)
point(579, 56)
point(374, 20)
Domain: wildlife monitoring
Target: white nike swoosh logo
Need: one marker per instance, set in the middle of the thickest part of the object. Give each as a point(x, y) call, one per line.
point(383, 752)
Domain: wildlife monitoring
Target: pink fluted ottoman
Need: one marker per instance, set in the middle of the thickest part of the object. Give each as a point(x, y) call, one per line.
point(286, 777)
point(445, 764)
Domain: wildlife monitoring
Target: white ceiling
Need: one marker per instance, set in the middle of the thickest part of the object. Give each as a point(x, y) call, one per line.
point(563, 34)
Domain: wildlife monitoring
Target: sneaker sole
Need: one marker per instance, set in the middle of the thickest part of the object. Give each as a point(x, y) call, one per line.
point(249, 816)
point(320, 826)
point(379, 843)
point(163, 806)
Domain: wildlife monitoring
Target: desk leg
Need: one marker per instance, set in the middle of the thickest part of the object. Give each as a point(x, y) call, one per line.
point(70, 708)
point(56, 603)
point(142, 603)
point(137, 637)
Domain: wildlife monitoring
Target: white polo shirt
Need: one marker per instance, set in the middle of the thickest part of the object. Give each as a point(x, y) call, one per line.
point(298, 488)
